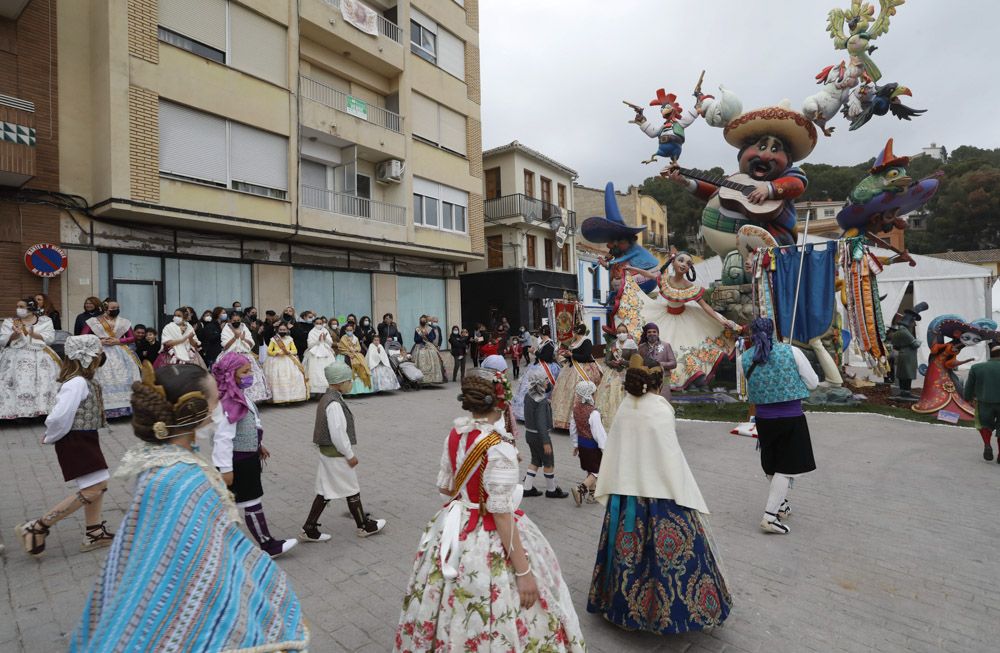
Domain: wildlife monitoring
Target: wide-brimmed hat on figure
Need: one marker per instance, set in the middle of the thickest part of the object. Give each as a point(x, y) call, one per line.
point(792, 127)
point(611, 227)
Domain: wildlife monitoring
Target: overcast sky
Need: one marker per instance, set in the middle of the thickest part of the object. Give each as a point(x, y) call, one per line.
point(555, 72)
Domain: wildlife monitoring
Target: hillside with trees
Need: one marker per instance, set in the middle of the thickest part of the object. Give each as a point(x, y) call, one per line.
point(965, 214)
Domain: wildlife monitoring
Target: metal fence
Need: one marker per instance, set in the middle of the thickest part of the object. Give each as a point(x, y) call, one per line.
point(530, 208)
point(331, 97)
point(386, 27)
point(352, 205)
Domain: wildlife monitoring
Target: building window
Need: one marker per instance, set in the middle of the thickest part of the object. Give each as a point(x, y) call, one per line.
point(644, 221)
point(492, 177)
point(436, 45)
point(828, 213)
point(596, 286)
point(197, 146)
point(494, 251)
point(226, 33)
point(437, 206)
point(529, 183)
point(595, 330)
point(562, 196)
point(546, 190)
point(565, 257)
point(530, 242)
point(438, 125)
point(549, 253)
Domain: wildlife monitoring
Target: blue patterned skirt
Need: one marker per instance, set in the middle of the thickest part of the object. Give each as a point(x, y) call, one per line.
point(656, 570)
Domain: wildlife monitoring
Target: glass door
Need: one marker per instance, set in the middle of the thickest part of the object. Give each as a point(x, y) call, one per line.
point(140, 302)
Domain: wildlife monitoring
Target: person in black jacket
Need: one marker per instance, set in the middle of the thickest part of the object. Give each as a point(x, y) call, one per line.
point(91, 308)
point(365, 332)
point(387, 330)
point(148, 348)
point(211, 335)
point(459, 341)
point(300, 332)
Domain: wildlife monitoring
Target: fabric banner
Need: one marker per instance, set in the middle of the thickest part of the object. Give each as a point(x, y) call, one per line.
point(565, 318)
point(360, 15)
point(815, 308)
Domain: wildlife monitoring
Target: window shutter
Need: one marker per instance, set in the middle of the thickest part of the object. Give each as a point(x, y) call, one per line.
point(258, 157)
point(455, 196)
point(426, 187)
point(201, 20)
point(451, 54)
point(257, 45)
point(423, 20)
point(313, 174)
point(425, 118)
point(452, 130)
point(192, 143)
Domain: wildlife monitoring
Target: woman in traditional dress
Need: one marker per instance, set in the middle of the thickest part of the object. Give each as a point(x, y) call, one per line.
point(580, 366)
point(656, 568)
point(484, 574)
point(611, 391)
point(545, 361)
point(285, 373)
point(121, 369)
point(28, 367)
point(699, 336)
point(238, 339)
point(179, 563)
point(350, 347)
point(319, 354)
point(425, 351)
point(178, 343)
point(383, 378)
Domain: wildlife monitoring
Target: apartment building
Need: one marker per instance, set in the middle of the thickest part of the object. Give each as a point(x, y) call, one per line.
point(530, 226)
point(319, 153)
point(637, 208)
point(29, 145)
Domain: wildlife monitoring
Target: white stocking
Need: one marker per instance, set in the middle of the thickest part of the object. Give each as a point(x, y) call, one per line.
point(778, 492)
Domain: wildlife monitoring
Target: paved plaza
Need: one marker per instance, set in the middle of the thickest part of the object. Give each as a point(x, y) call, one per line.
point(893, 544)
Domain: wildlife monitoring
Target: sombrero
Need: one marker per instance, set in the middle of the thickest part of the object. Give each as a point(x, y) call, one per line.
point(790, 126)
point(751, 237)
point(612, 227)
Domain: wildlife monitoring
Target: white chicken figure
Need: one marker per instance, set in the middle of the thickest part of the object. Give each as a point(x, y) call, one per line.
point(824, 105)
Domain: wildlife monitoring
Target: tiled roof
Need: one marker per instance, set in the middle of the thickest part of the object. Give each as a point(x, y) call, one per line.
point(976, 256)
point(535, 154)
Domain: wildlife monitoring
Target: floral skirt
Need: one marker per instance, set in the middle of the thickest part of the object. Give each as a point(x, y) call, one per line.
point(428, 360)
point(656, 570)
point(565, 392)
point(609, 395)
point(28, 384)
point(480, 609)
point(116, 376)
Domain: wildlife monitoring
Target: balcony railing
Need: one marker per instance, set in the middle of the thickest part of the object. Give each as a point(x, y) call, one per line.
point(350, 105)
point(529, 208)
point(386, 27)
point(352, 205)
point(651, 240)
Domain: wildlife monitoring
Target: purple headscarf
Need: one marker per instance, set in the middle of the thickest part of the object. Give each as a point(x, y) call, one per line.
point(649, 325)
point(762, 337)
point(230, 393)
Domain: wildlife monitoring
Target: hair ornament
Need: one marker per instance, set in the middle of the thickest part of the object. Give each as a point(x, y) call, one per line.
point(149, 379)
point(160, 431)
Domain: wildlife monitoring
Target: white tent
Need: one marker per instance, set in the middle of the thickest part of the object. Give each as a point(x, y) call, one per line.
point(946, 286)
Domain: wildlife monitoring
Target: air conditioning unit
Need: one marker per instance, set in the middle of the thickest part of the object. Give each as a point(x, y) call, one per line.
point(390, 171)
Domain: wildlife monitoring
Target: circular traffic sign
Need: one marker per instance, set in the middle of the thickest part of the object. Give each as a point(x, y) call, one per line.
point(45, 260)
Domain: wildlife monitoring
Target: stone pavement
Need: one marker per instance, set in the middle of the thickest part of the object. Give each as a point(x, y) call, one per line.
point(893, 544)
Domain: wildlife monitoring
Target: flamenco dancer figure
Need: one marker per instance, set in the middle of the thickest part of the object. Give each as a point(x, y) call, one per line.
point(942, 388)
point(698, 335)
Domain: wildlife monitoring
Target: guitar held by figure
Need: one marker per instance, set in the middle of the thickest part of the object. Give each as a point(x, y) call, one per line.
point(738, 192)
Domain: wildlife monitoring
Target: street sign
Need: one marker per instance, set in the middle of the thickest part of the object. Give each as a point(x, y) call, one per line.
point(45, 260)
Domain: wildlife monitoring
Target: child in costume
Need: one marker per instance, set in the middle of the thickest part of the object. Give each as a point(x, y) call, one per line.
point(319, 354)
point(484, 577)
point(181, 576)
point(237, 450)
point(537, 424)
point(588, 437)
point(350, 347)
point(284, 372)
point(72, 427)
point(335, 436)
point(383, 378)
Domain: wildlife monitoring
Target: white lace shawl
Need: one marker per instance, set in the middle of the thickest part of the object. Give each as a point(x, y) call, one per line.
point(501, 475)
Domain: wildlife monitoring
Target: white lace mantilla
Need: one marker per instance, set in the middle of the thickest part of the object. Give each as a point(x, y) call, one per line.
point(148, 456)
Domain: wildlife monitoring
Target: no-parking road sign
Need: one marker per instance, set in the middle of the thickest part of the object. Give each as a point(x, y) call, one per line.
point(45, 260)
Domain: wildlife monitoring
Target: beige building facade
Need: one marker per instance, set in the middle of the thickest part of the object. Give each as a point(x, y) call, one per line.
point(314, 153)
point(637, 209)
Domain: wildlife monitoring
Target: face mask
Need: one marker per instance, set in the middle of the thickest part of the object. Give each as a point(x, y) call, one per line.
point(622, 337)
point(245, 382)
point(178, 319)
point(349, 333)
point(653, 337)
point(334, 326)
point(522, 329)
point(207, 318)
point(364, 322)
point(454, 331)
point(287, 318)
point(236, 325)
point(22, 312)
point(223, 316)
point(282, 333)
point(114, 312)
point(208, 430)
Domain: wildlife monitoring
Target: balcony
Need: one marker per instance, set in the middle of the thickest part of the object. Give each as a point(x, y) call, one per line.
point(380, 49)
point(352, 106)
point(654, 241)
point(17, 141)
point(352, 206)
point(528, 208)
point(333, 115)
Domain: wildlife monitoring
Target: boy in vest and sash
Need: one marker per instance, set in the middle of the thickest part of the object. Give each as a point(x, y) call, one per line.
point(72, 427)
point(237, 450)
point(779, 377)
point(336, 479)
point(588, 437)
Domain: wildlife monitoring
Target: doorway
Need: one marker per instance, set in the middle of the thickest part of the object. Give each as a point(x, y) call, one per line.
point(141, 300)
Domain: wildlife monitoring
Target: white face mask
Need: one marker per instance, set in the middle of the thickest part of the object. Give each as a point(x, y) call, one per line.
point(207, 431)
point(178, 319)
point(223, 316)
point(22, 312)
point(207, 318)
point(622, 337)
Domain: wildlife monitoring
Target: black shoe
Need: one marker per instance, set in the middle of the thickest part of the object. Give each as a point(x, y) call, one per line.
point(988, 453)
point(533, 492)
point(557, 493)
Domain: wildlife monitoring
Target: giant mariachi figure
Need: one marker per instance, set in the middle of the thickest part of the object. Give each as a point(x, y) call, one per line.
point(624, 250)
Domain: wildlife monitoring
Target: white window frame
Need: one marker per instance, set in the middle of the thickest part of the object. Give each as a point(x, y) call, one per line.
point(430, 26)
point(265, 191)
point(440, 109)
point(441, 196)
point(431, 55)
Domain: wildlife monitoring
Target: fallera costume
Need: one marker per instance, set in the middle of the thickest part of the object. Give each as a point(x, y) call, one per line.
point(28, 369)
point(586, 433)
point(581, 367)
point(462, 593)
point(656, 567)
point(121, 367)
point(426, 355)
point(611, 391)
point(241, 342)
point(383, 378)
point(350, 347)
point(180, 354)
point(180, 564)
point(285, 373)
point(319, 354)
